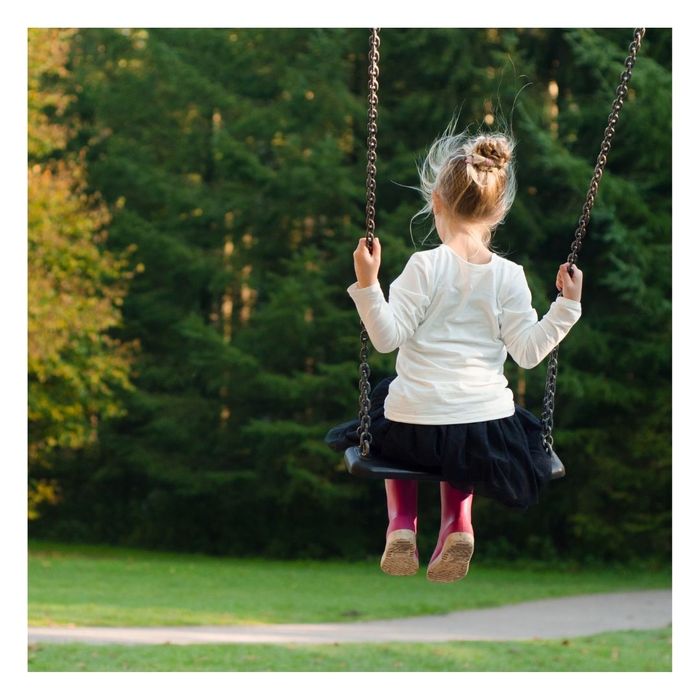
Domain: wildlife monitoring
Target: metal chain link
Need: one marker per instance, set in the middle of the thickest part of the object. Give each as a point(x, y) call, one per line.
point(364, 435)
point(552, 365)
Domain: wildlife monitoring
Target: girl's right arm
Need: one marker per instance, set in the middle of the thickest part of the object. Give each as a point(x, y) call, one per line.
point(528, 340)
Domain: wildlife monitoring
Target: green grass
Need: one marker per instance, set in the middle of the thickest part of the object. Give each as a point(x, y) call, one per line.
point(102, 586)
point(649, 650)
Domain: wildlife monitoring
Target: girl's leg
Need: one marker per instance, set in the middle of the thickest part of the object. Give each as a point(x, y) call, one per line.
point(400, 556)
point(455, 545)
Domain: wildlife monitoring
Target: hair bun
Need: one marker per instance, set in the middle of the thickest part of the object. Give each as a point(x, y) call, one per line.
point(490, 153)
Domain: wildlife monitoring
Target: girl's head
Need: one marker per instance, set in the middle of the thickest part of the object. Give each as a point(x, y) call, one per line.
point(468, 182)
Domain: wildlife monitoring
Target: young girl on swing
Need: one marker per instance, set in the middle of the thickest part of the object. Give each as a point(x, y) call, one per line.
point(454, 313)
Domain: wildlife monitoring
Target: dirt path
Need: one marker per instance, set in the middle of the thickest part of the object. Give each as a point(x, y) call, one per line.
point(544, 619)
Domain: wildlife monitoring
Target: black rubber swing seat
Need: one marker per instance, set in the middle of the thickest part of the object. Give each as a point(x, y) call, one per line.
point(372, 467)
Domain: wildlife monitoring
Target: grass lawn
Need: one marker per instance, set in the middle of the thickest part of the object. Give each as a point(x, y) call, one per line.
point(616, 651)
point(84, 585)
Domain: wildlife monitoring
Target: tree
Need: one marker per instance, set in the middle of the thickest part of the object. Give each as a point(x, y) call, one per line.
point(75, 287)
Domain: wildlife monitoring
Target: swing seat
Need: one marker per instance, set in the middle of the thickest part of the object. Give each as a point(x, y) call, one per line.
point(372, 467)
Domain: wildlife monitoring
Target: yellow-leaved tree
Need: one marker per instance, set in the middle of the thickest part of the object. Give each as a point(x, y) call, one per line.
point(76, 286)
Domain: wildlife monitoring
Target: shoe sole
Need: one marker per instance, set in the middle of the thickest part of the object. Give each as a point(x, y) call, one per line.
point(452, 563)
point(399, 554)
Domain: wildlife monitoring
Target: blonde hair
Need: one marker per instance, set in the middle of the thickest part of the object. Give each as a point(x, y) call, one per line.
point(473, 175)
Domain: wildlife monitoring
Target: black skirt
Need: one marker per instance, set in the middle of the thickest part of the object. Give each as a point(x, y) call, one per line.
point(503, 459)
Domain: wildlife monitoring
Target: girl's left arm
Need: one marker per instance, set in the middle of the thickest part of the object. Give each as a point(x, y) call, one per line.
point(389, 324)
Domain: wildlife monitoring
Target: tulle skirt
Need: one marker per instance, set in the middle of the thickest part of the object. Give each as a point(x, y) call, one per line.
point(503, 459)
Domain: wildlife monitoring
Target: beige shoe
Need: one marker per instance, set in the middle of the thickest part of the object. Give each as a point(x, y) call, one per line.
point(452, 563)
point(400, 556)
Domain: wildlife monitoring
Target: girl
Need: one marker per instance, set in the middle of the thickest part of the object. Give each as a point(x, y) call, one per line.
point(454, 313)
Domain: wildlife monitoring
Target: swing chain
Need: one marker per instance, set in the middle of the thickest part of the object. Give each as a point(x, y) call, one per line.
point(553, 363)
point(605, 146)
point(364, 435)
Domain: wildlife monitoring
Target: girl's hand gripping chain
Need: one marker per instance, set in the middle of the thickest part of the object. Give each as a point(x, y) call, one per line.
point(366, 264)
point(570, 282)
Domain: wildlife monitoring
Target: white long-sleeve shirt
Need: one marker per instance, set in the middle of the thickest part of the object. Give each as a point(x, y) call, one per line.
point(454, 322)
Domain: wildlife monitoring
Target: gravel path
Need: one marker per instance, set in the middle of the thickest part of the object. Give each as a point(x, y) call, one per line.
point(553, 618)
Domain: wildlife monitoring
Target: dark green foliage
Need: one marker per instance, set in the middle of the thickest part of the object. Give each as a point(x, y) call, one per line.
point(257, 136)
